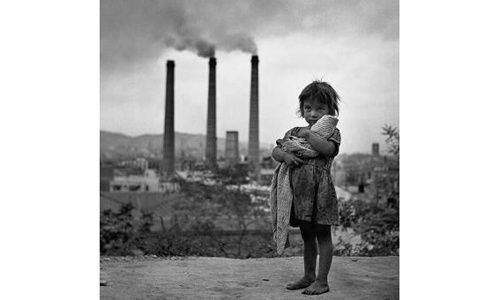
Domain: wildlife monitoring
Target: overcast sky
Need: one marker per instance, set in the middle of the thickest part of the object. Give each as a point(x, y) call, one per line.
point(354, 45)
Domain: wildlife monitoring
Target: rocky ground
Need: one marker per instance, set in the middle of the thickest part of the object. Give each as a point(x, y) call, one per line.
point(223, 278)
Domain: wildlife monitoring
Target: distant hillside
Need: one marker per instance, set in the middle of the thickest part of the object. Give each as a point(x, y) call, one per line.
point(114, 145)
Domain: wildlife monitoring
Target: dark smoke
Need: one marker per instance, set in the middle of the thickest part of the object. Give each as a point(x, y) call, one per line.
point(241, 42)
point(188, 31)
point(204, 48)
point(133, 31)
point(200, 46)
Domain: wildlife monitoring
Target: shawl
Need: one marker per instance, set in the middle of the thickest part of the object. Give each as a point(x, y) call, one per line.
point(281, 203)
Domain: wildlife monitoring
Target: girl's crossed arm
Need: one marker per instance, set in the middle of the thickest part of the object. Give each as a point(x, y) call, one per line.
point(288, 158)
point(320, 144)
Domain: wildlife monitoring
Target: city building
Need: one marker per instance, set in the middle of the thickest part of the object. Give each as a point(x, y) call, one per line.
point(148, 182)
point(375, 149)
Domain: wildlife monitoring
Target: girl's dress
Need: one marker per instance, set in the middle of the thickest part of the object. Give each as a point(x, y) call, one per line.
point(314, 197)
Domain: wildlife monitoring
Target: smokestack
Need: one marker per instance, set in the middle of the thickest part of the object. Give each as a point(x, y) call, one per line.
point(232, 151)
point(211, 145)
point(168, 132)
point(253, 137)
point(375, 149)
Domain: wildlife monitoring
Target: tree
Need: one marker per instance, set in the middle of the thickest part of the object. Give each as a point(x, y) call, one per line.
point(392, 140)
point(242, 210)
point(209, 211)
point(119, 231)
point(233, 175)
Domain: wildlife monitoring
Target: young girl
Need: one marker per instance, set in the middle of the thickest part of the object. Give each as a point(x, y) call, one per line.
point(314, 204)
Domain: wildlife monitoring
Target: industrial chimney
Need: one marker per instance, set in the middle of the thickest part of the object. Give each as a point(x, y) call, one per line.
point(375, 149)
point(253, 137)
point(232, 151)
point(168, 165)
point(211, 145)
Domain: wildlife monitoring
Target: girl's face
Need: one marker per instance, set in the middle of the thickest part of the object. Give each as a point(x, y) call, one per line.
point(313, 111)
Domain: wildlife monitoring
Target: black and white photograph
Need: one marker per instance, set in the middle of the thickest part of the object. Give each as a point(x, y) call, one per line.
point(249, 149)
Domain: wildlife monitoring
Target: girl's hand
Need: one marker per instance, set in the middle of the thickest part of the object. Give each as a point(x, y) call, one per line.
point(304, 133)
point(292, 160)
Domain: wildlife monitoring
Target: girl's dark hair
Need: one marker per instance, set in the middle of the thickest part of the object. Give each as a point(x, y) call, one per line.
point(322, 92)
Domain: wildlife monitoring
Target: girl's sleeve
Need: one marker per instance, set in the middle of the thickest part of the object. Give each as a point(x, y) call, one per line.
point(335, 138)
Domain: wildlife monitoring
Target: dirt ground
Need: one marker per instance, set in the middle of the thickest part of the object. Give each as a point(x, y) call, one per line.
point(263, 278)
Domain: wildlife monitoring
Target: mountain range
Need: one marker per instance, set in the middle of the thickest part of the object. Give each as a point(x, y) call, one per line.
point(118, 145)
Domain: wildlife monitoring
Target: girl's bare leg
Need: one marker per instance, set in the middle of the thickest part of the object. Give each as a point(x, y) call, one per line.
point(310, 253)
point(320, 285)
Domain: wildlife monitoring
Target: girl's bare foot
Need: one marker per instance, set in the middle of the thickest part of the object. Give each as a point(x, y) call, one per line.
point(316, 288)
point(300, 284)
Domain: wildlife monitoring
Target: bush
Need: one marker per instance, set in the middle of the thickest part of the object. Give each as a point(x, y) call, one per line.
point(378, 227)
point(120, 230)
point(193, 229)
